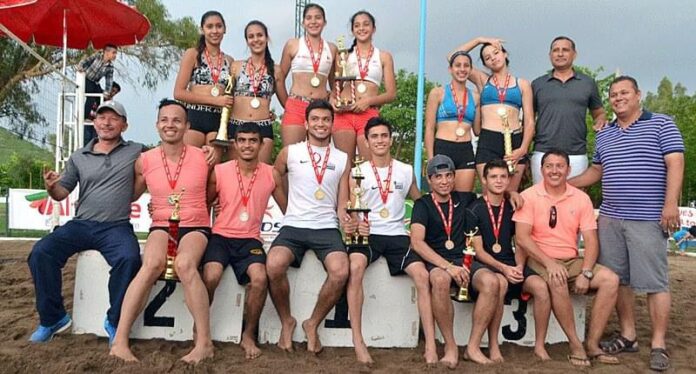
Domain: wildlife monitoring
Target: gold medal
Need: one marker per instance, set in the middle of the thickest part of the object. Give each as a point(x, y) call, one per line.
point(315, 81)
point(215, 91)
point(449, 244)
point(362, 88)
point(244, 216)
point(460, 132)
point(255, 103)
point(497, 248)
point(319, 194)
point(384, 213)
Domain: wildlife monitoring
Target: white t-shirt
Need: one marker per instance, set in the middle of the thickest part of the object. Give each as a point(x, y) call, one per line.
point(401, 180)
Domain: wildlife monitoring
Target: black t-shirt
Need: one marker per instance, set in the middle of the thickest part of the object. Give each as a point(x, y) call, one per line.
point(463, 220)
point(507, 229)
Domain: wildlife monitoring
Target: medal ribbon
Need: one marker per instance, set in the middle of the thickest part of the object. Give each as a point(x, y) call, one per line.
point(317, 61)
point(255, 75)
point(461, 109)
point(363, 71)
point(502, 91)
point(214, 69)
point(172, 182)
point(383, 193)
point(319, 173)
point(245, 194)
point(448, 221)
point(499, 223)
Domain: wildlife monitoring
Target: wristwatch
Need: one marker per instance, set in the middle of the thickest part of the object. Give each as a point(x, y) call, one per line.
point(587, 273)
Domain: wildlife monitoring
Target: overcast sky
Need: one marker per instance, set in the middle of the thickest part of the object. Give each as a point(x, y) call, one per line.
point(647, 39)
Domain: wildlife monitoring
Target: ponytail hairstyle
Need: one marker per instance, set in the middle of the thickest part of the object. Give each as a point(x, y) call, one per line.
point(352, 20)
point(200, 47)
point(270, 64)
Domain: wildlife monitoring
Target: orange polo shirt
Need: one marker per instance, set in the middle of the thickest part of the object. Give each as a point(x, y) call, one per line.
point(574, 214)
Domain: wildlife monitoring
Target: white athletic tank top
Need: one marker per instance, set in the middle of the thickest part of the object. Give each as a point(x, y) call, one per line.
point(302, 63)
point(402, 178)
point(304, 210)
point(374, 72)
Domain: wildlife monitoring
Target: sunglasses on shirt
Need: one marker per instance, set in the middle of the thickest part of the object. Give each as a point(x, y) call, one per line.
point(553, 217)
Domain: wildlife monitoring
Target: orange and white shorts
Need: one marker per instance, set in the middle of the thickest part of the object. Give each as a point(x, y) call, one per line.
point(354, 121)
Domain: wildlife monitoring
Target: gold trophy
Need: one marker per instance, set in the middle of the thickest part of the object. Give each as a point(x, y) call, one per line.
point(507, 137)
point(343, 76)
point(358, 206)
point(469, 254)
point(221, 139)
point(169, 273)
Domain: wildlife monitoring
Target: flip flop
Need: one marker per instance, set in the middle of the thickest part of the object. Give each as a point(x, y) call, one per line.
point(619, 344)
point(604, 358)
point(579, 361)
point(659, 359)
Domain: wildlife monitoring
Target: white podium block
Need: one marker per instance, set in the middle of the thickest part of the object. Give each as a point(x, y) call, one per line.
point(517, 325)
point(390, 312)
point(165, 316)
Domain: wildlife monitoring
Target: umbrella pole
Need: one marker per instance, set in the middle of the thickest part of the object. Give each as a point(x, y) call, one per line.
point(60, 140)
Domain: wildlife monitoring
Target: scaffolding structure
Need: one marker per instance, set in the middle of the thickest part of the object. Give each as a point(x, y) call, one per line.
point(299, 8)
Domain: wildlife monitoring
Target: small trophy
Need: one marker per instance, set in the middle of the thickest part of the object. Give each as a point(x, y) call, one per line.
point(169, 273)
point(507, 137)
point(343, 76)
point(221, 139)
point(358, 207)
point(469, 254)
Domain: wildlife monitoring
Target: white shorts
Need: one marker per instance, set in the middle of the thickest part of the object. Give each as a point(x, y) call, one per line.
point(578, 164)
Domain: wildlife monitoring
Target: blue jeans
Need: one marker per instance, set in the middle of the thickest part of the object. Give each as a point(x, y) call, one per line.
point(114, 240)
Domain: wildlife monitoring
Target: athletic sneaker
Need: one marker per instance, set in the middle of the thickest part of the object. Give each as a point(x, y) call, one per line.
point(44, 334)
point(110, 330)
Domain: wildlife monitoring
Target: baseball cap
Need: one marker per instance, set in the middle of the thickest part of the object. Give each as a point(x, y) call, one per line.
point(439, 163)
point(113, 105)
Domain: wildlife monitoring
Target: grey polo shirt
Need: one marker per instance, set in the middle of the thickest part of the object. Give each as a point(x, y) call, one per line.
point(106, 181)
point(561, 109)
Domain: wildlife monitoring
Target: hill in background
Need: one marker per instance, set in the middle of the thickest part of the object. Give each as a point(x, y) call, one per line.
point(11, 143)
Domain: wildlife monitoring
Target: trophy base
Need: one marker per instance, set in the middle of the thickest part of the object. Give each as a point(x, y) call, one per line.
point(221, 143)
point(358, 210)
point(461, 295)
point(169, 273)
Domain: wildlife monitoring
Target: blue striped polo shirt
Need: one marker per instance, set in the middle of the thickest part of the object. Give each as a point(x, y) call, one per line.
point(634, 175)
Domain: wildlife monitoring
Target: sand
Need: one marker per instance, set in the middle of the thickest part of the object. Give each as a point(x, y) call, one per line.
point(86, 353)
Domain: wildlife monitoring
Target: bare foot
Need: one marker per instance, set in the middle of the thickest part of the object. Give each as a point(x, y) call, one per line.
point(430, 355)
point(249, 346)
point(286, 331)
point(362, 354)
point(542, 354)
point(313, 343)
point(124, 353)
point(451, 357)
point(199, 353)
point(474, 354)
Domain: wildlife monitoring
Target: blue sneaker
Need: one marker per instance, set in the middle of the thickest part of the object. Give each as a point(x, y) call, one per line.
point(44, 334)
point(110, 330)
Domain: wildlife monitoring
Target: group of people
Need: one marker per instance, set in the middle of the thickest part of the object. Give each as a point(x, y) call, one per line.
point(525, 243)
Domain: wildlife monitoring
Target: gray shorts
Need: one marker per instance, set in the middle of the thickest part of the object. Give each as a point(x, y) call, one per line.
point(299, 240)
point(635, 251)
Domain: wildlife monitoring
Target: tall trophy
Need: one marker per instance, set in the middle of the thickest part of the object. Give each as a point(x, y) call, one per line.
point(469, 254)
point(355, 240)
point(169, 273)
point(343, 76)
point(507, 137)
point(221, 139)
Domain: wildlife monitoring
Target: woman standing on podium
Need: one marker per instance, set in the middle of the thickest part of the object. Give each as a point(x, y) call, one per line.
point(371, 66)
point(309, 60)
point(202, 77)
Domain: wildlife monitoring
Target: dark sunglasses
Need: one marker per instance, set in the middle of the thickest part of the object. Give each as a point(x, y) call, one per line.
point(553, 217)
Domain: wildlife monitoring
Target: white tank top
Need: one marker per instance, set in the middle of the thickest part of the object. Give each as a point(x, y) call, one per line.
point(302, 63)
point(304, 210)
point(401, 180)
point(374, 72)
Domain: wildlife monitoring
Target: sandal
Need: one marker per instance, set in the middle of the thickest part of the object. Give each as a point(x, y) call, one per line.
point(579, 361)
point(619, 344)
point(659, 359)
point(604, 358)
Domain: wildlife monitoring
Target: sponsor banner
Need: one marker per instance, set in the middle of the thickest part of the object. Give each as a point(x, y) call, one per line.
point(687, 216)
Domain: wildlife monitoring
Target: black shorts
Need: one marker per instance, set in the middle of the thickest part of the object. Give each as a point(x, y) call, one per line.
point(238, 253)
point(266, 126)
point(462, 153)
point(514, 290)
point(396, 249)
point(299, 240)
point(205, 120)
point(183, 231)
point(491, 146)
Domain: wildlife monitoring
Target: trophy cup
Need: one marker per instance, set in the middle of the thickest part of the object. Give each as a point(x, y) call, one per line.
point(343, 76)
point(507, 138)
point(469, 253)
point(169, 273)
point(358, 207)
point(221, 139)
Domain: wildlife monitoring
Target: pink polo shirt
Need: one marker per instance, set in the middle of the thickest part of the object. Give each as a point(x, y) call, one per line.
point(574, 214)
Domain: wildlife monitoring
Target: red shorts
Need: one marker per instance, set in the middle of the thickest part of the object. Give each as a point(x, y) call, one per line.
point(294, 112)
point(354, 121)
